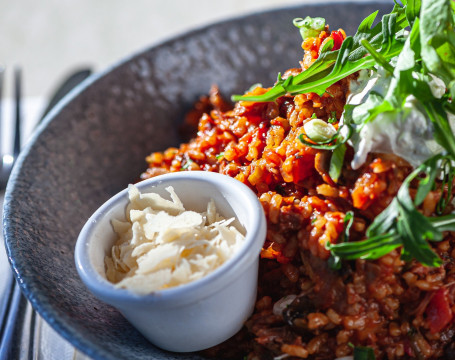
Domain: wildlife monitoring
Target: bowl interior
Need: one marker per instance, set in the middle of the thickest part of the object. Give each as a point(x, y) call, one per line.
point(94, 143)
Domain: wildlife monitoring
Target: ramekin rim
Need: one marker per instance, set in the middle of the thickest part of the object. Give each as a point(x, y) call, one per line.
point(105, 290)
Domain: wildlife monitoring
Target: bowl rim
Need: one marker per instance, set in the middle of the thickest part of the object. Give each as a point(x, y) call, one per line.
point(205, 286)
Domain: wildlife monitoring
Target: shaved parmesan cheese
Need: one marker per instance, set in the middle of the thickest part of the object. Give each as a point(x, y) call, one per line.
point(162, 245)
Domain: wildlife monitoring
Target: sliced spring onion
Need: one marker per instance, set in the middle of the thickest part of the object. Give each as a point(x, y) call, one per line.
point(319, 131)
point(309, 27)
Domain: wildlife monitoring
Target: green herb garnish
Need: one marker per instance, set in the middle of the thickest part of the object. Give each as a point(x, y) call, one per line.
point(336, 162)
point(401, 224)
point(412, 45)
point(411, 74)
point(187, 165)
point(331, 66)
point(334, 260)
point(429, 50)
point(309, 27)
point(363, 353)
point(447, 178)
point(333, 118)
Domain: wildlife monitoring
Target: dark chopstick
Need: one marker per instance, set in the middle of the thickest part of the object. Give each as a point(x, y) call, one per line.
point(18, 105)
point(10, 323)
point(12, 298)
point(5, 300)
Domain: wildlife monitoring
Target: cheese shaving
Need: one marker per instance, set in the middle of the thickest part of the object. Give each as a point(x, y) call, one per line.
point(162, 245)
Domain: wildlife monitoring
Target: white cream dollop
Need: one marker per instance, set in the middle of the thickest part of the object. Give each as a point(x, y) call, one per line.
point(408, 134)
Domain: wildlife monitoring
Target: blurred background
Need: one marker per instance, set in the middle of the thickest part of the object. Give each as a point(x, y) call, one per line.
point(50, 38)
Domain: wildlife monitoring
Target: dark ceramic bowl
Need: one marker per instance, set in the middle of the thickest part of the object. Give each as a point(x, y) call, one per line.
point(94, 143)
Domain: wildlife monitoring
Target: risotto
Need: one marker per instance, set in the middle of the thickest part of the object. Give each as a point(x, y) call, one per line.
point(339, 274)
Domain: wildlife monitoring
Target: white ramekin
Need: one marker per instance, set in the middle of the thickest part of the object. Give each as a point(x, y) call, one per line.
point(193, 316)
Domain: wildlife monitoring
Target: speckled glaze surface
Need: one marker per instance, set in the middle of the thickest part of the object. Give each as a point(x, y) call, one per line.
point(94, 143)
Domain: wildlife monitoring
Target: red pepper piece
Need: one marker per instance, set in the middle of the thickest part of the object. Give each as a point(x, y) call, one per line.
point(338, 38)
point(439, 313)
point(303, 167)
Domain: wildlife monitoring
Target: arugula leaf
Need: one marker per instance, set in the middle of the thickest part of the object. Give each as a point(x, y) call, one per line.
point(359, 115)
point(371, 248)
point(384, 221)
point(381, 60)
point(401, 224)
point(414, 228)
point(412, 83)
point(332, 66)
point(438, 39)
point(399, 88)
point(335, 261)
point(412, 10)
point(340, 70)
point(414, 236)
point(447, 178)
point(411, 77)
point(426, 183)
point(443, 223)
point(336, 162)
point(442, 131)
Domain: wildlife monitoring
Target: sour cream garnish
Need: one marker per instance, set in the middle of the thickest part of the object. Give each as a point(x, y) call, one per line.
point(408, 134)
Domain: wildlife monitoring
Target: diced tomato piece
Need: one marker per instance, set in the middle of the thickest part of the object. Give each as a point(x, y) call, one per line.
point(303, 167)
point(439, 313)
point(270, 253)
point(283, 259)
point(408, 349)
point(338, 38)
point(272, 157)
